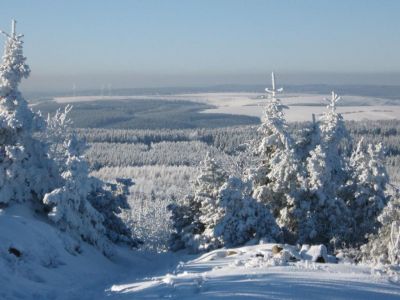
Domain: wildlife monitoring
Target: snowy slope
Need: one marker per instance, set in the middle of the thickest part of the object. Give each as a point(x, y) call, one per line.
point(252, 272)
point(46, 270)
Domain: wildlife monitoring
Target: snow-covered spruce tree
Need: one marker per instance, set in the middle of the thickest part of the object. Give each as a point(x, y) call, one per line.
point(383, 247)
point(241, 218)
point(197, 213)
point(109, 199)
point(70, 209)
point(277, 179)
point(328, 218)
point(26, 173)
point(367, 185)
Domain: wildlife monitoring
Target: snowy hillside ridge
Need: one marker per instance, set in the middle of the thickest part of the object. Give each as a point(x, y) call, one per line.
point(261, 272)
point(35, 256)
point(38, 261)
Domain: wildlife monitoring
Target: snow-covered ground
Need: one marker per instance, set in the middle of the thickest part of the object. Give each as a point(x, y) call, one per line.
point(304, 113)
point(301, 106)
point(254, 272)
point(46, 270)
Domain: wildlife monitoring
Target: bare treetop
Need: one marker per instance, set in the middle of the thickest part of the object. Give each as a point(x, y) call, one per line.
point(332, 101)
point(273, 91)
point(13, 34)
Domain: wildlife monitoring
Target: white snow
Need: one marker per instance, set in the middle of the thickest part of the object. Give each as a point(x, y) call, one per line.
point(254, 273)
point(47, 271)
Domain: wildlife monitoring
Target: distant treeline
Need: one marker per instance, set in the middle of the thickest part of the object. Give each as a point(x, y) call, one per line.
point(229, 139)
point(188, 147)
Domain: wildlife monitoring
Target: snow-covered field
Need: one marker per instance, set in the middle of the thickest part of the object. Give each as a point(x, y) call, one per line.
point(301, 106)
point(304, 113)
point(45, 270)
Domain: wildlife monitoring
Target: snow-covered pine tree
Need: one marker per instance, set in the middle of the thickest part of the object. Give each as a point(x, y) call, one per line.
point(241, 219)
point(197, 213)
point(328, 218)
point(332, 133)
point(207, 188)
point(26, 173)
point(383, 247)
point(277, 180)
point(109, 199)
point(367, 186)
point(70, 208)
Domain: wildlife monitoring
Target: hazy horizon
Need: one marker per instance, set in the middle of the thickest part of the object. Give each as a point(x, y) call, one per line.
point(137, 44)
point(66, 83)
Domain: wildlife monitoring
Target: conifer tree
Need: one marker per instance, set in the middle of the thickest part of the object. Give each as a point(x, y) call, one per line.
point(197, 213)
point(367, 185)
point(26, 173)
point(69, 207)
point(108, 199)
point(328, 218)
point(184, 217)
point(277, 180)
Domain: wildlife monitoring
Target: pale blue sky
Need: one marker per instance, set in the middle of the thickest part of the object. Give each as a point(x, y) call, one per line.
point(156, 43)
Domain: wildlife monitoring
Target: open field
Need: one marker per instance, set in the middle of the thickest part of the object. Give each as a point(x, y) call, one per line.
point(301, 106)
